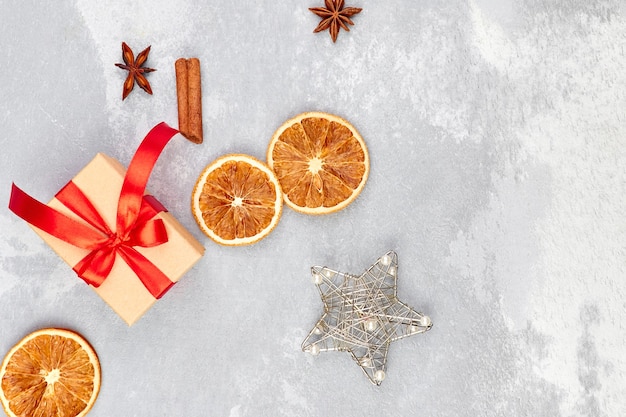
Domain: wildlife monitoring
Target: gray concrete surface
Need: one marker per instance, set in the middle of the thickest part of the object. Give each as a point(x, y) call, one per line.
point(496, 131)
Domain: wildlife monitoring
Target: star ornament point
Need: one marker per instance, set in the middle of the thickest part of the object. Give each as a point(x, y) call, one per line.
point(362, 315)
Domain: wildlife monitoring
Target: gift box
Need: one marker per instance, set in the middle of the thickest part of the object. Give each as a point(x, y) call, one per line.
point(116, 237)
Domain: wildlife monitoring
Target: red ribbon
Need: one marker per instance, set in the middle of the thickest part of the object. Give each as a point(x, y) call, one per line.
point(135, 224)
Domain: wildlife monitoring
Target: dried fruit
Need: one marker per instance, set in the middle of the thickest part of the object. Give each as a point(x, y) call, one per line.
point(321, 162)
point(51, 372)
point(237, 200)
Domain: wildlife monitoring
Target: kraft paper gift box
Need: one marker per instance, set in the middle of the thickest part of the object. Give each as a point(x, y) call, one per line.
point(101, 182)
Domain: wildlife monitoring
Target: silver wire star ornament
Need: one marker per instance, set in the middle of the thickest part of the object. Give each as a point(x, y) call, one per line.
point(362, 315)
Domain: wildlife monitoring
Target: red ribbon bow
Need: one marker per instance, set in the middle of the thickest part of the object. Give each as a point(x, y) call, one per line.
point(135, 226)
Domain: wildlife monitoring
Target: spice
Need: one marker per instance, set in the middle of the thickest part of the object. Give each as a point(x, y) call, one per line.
point(334, 16)
point(135, 70)
point(189, 95)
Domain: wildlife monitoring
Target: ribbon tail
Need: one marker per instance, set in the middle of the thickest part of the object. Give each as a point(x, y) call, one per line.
point(137, 176)
point(155, 281)
point(54, 222)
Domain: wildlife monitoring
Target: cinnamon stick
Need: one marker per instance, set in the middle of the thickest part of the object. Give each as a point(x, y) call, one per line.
point(189, 94)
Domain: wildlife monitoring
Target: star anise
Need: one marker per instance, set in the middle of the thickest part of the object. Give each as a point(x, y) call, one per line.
point(334, 16)
point(135, 70)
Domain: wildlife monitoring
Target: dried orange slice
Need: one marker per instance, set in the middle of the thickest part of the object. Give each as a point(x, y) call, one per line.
point(237, 200)
point(50, 372)
point(321, 162)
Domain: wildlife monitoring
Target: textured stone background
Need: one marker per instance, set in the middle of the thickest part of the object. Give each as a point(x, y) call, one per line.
point(497, 133)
